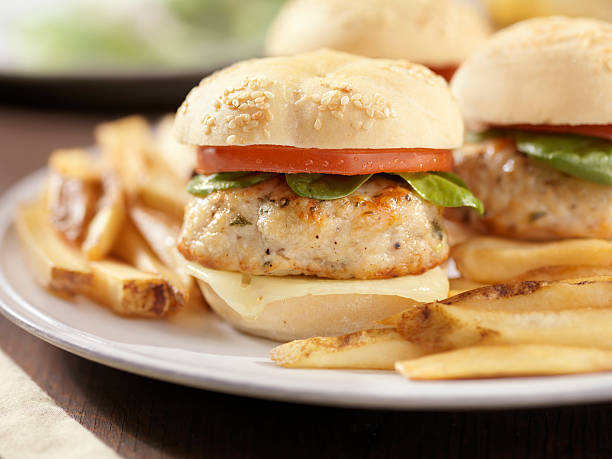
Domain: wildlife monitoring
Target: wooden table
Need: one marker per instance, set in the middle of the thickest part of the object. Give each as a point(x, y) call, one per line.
point(141, 417)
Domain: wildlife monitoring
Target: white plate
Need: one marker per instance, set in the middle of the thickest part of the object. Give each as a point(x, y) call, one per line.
point(199, 350)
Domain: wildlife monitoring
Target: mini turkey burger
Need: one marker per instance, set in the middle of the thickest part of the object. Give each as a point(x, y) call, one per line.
point(438, 33)
point(318, 201)
point(539, 97)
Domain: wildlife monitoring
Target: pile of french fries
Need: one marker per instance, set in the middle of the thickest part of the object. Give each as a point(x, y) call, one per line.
point(106, 224)
point(519, 328)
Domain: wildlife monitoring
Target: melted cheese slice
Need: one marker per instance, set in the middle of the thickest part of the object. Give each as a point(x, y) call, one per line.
point(248, 295)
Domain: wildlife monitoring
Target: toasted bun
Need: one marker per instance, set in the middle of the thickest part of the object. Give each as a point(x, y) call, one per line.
point(304, 317)
point(541, 71)
point(323, 99)
point(433, 32)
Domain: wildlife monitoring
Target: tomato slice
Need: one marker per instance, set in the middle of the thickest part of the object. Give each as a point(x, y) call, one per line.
point(283, 159)
point(594, 130)
point(446, 72)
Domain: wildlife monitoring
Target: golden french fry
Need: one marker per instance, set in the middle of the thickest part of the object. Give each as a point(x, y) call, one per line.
point(492, 260)
point(438, 327)
point(128, 146)
point(161, 233)
point(75, 164)
point(529, 296)
point(551, 273)
point(125, 145)
point(129, 291)
point(133, 249)
point(106, 224)
point(376, 349)
point(71, 204)
point(460, 285)
point(178, 158)
point(53, 264)
point(526, 296)
point(505, 361)
point(163, 192)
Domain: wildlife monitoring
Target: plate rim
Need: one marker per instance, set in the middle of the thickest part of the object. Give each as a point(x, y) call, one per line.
point(16, 308)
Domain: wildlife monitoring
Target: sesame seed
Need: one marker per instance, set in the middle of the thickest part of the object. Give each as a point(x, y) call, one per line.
point(231, 139)
point(317, 124)
point(345, 100)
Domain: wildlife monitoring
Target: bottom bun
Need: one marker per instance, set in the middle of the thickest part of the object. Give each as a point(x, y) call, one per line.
point(307, 316)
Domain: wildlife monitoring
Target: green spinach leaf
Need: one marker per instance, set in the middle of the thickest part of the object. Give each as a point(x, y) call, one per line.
point(586, 157)
point(325, 186)
point(442, 188)
point(203, 185)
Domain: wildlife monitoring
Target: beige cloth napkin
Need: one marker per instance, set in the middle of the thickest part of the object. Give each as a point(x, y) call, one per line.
point(33, 426)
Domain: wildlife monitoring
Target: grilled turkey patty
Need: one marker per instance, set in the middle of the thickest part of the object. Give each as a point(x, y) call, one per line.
point(527, 199)
point(381, 230)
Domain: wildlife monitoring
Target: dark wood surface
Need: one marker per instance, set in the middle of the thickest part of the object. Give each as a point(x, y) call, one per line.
point(140, 417)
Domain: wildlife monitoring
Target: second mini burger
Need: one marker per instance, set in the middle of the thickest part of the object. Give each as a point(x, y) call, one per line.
point(318, 203)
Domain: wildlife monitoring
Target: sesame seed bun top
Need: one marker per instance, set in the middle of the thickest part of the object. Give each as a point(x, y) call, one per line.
point(552, 70)
point(437, 33)
point(323, 99)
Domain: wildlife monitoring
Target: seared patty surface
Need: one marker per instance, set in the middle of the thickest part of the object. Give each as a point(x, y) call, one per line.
point(527, 199)
point(381, 230)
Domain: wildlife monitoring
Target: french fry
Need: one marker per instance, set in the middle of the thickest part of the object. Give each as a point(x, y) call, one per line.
point(178, 158)
point(128, 146)
point(129, 291)
point(506, 361)
point(53, 264)
point(438, 327)
point(460, 285)
point(550, 273)
point(492, 260)
point(76, 164)
point(125, 145)
point(376, 349)
point(161, 233)
point(71, 204)
point(106, 224)
point(163, 192)
point(529, 296)
point(133, 249)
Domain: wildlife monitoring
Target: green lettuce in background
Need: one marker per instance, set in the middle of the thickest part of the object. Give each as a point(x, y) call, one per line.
point(141, 34)
point(589, 158)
